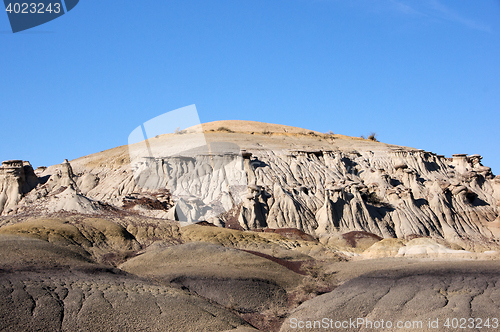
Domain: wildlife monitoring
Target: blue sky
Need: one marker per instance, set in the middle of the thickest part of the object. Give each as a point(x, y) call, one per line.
point(424, 74)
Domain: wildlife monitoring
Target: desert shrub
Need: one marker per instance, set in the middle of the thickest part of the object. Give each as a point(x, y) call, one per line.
point(227, 130)
point(315, 282)
point(117, 257)
point(372, 137)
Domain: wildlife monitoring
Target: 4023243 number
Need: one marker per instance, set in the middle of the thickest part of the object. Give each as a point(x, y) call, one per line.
point(33, 8)
point(471, 323)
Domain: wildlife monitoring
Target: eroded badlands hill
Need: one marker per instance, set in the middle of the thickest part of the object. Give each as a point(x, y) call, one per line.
point(279, 177)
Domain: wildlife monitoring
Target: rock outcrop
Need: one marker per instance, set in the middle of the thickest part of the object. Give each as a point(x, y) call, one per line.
point(393, 193)
point(16, 179)
point(319, 184)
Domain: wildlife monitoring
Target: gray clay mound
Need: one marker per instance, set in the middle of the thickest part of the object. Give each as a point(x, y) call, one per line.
point(103, 301)
point(230, 277)
point(243, 295)
point(414, 294)
point(24, 253)
point(45, 287)
point(205, 260)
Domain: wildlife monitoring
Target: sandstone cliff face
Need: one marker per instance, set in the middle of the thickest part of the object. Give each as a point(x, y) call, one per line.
point(320, 184)
point(16, 179)
point(391, 194)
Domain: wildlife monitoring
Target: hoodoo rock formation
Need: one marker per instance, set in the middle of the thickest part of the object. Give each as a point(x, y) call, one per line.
point(284, 177)
point(17, 178)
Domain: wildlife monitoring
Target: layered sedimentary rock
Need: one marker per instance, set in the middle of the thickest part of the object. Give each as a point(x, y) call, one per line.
point(389, 193)
point(16, 179)
point(320, 184)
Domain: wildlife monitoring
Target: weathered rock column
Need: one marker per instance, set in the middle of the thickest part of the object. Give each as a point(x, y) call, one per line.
point(16, 179)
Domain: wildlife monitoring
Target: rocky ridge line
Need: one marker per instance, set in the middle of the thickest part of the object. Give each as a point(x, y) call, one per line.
point(325, 186)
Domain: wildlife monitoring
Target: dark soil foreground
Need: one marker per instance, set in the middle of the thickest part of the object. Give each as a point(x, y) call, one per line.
point(46, 288)
point(200, 286)
point(421, 296)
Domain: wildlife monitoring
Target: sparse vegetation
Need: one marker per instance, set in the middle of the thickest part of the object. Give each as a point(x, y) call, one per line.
point(266, 132)
point(372, 137)
point(312, 133)
point(178, 131)
point(225, 129)
point(315, 283)
point(116, 258)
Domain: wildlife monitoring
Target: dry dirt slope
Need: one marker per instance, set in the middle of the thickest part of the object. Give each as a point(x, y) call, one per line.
point(409, 294)
point(51, 279)
point(45, 287)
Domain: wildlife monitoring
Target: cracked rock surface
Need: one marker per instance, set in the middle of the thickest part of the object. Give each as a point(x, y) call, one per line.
point(45, 287)
point(418, 292)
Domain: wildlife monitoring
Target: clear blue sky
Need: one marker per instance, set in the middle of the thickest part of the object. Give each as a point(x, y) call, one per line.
point(424, 74)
